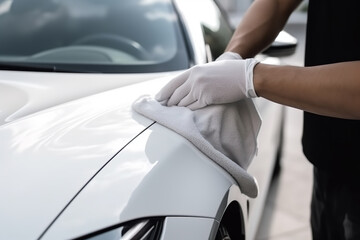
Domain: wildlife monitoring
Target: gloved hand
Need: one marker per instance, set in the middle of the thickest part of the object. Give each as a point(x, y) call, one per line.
point(229, 56)
point(218, 82)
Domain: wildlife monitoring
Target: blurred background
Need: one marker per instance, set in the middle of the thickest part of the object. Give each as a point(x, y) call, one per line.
point(287, 211)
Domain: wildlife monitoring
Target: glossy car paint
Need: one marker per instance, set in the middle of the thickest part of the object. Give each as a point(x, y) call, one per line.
point(203, 228)
point(158, 174)
point(68, 144)
point(30, 92)
point(65, 139)
point(56, 152)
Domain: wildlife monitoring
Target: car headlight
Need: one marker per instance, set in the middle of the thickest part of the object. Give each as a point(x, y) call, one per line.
point(146, 229)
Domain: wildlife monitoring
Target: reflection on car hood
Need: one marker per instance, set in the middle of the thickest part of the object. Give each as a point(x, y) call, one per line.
point(49, 155)
point(24, 93)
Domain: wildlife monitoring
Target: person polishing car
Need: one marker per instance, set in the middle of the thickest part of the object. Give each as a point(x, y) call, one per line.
point(327, 88)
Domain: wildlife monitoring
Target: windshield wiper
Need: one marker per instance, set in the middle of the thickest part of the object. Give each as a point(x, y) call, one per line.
point(41, 67)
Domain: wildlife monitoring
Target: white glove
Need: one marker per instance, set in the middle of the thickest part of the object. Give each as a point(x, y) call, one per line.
point(217, 82)
point(229, 56)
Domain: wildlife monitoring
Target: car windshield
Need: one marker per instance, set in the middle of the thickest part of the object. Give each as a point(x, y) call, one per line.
point(91, 36)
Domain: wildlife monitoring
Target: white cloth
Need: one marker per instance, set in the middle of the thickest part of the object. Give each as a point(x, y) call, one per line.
point(226, 133)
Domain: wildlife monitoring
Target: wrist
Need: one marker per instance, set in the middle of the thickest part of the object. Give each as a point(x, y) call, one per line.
point(258, 79)
point(250, 68)
point(229, 56)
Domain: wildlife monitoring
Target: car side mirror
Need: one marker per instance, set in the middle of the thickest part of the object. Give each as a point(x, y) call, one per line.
point(284, 45)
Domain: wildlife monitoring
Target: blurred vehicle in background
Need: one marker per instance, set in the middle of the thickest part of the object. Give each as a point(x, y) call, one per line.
point(76, 161)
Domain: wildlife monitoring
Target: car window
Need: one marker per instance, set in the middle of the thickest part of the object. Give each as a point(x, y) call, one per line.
point(92, 35)
point(216, 27)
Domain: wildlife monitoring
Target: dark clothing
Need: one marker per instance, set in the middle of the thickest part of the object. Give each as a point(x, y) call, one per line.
point(332, 144)
point(333, 35)
point(335, 214)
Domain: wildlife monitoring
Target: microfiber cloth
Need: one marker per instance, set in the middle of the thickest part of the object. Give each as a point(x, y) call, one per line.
point(225, 133)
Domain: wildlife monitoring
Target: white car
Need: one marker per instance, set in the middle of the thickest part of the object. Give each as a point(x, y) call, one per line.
point(76, 161)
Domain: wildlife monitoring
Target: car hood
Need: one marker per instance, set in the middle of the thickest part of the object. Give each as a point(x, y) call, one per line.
point(50, 150)
point(25, 93)
point(84, 160)
point(66, 138)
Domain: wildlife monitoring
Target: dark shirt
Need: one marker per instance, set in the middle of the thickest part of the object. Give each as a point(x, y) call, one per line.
point(333, 35)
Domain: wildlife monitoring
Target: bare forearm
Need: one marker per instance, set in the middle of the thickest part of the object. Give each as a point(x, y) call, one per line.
point(260, 26)
point(331, 90)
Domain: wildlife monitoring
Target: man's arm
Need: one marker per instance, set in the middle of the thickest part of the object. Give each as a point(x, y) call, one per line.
point(331, 90)
point(260, 25)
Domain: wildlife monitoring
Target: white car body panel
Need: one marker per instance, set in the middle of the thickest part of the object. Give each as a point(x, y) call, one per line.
point(71, 142)
point(132, 185)
point(58, 131)
point(263, 163)
point(202, 227)
point(53, 140)
point(24, 93)
point(194, 31)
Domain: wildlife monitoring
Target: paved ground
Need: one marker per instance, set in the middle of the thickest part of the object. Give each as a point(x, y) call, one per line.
point(287, 211)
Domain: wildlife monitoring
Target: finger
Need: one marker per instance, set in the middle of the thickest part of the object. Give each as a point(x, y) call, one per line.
point(179, 94)
point(187, 100)
point(168, 90)
point(196, 105)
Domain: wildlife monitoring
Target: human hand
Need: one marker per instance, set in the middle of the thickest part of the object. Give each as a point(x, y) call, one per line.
point(217, 82)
